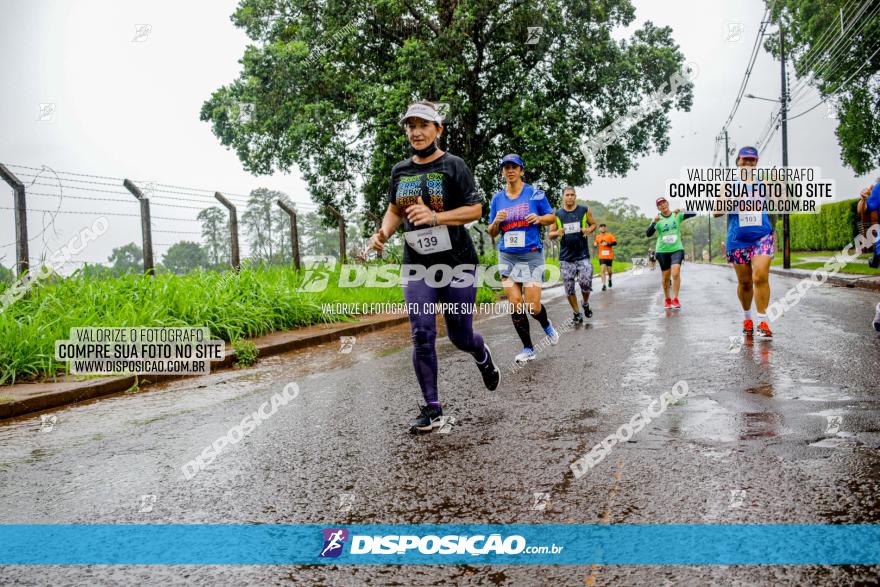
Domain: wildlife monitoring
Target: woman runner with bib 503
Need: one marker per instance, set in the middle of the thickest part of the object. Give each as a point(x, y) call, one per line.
point(433, 193)
point(750, 249)
point(517, 212)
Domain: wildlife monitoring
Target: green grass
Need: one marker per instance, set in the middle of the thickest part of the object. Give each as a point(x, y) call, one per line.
point(798, 261)
point(801, 256)
point(255, 302)
point(245, 353)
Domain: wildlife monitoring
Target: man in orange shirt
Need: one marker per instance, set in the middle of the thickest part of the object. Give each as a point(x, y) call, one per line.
point(606, 243)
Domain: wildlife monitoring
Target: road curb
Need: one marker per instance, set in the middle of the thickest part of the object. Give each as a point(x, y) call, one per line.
point(37, 397)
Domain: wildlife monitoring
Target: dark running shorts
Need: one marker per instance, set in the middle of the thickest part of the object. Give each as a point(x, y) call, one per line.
point(667, 260)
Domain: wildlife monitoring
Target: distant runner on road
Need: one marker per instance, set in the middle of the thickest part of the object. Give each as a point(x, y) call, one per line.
point(605, 242)
point(574, 223)
point(433, 193)
point(517, 212)
point(670, 250)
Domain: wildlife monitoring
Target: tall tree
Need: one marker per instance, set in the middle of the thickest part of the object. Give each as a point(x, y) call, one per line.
point(261, 223)
point(215, 231)
point(833, 45)
point(184, 256)
point(316, 238)
point(127, 259)
point(328, 81)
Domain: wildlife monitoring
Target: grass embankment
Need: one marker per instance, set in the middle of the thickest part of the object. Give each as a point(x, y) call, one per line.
point(234, 306)
point(801, 260)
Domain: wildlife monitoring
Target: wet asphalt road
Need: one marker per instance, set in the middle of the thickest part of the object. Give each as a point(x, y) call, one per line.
point(777, 432)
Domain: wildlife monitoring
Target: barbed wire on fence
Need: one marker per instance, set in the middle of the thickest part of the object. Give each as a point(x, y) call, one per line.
point(96, 189)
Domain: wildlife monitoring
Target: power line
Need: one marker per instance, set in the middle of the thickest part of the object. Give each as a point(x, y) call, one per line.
point(829, 46)
point(834, 51)
point(748, 73)
point(825, 99)
point(832, 54)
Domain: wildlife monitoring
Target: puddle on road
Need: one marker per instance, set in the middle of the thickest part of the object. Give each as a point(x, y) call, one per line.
point(836, 442)
point(717, 455)
point(706, 420)
point(808, 390)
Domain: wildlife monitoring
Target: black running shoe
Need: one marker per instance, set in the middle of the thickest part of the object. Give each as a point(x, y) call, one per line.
point(489, 371)
point(429, 418)
point(587, 311)
point(578, 318)
point(609, 282)
point(603, 287)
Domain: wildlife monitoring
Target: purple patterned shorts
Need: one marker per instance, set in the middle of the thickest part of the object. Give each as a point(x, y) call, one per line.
point(764, 246)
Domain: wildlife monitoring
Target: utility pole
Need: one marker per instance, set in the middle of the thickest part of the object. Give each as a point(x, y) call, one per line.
point(786, 234)
point(726, 164)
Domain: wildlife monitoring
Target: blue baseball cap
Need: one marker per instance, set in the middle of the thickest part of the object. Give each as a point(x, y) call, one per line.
point(748, 152)
point(512, 158)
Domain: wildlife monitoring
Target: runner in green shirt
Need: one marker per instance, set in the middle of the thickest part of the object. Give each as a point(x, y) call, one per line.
point(669, 250)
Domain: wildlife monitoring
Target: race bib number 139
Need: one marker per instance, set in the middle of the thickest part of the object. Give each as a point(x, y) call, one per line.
point(429, 240)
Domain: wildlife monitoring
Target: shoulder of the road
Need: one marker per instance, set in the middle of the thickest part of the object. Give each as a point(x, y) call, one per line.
point(28, 398)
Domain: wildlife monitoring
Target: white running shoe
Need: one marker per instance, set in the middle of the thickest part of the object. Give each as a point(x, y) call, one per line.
point(525, 356)
point(877, 319)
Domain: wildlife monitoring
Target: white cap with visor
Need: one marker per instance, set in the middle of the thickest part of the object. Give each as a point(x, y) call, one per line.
point(422, 111)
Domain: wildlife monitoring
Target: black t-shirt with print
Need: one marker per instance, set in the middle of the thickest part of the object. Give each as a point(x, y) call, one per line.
point(444, 184)
point(574, 246)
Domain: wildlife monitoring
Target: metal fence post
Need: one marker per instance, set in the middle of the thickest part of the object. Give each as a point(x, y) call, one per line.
point(294, 235)
point(341, 221)
point(146, 231)
point(22, 261)
point(233, 229)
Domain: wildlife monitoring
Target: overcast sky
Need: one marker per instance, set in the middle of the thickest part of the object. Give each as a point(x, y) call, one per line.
point(87, 90)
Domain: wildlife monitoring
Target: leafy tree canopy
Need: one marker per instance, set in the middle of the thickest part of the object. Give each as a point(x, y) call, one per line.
point(324, 82)
point(834, 43)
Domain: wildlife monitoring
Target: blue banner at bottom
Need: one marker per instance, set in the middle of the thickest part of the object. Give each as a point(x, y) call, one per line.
point(476, 544)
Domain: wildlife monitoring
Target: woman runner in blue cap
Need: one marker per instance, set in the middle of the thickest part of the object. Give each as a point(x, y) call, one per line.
point(750, 249)
point(517, 212)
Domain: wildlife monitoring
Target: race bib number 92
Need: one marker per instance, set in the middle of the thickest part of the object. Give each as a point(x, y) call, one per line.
point(515, 238)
